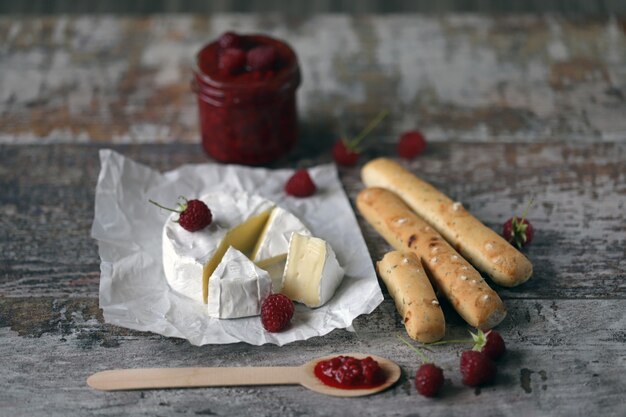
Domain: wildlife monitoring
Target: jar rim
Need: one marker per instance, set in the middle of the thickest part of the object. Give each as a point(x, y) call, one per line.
point(290, 74)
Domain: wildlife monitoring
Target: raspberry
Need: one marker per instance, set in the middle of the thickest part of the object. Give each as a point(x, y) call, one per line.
point(411, 144)
point(262, 58)
point(429, 377)
point(346, 151)
point(194, 215)
point(477, 368)
point(300, 184)
point(428, 380)
point(232, 61)
point(494, 346)
point(230, 40)
point(518, 232)
point(343, 155)
point(276, 312)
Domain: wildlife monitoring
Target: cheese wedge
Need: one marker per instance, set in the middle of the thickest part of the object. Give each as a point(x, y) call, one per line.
point(242, 237)
point(270, 252)
point(237, 287)
point(312, 273)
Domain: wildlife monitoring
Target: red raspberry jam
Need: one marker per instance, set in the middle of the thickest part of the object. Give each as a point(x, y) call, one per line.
point(247, 98)
point(350, 373)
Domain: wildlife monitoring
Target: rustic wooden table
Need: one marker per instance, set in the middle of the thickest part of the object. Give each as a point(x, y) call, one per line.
point(513, 107)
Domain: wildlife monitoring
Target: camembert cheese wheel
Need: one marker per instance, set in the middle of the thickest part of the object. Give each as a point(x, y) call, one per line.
point(189, 258)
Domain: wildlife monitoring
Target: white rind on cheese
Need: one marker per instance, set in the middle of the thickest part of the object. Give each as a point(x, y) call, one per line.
point(274, 240)
point(312, 273)
point(186, 253)
point(237, 287)
point(271, 249)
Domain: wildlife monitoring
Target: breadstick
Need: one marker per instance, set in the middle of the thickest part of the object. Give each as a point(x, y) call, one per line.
point(469, 294)
point(415, 298)
point(483, 247)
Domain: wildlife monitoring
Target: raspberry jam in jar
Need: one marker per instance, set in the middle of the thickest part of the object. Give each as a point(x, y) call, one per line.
point(246, 87)
point(350, 373)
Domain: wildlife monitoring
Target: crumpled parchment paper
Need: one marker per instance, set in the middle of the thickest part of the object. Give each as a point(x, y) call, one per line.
point(133, 289)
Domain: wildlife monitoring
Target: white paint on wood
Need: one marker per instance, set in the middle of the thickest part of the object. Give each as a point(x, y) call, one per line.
point(457, 78)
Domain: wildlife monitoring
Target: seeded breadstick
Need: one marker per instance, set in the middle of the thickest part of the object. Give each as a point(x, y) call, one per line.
point(478, 304)
point(483, 247)
point(415, 298)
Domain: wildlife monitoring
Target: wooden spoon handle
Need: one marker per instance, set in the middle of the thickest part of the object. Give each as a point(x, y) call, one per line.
point(147, 378)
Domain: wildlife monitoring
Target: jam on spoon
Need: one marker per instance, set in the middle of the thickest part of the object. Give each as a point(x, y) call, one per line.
point(347, 372)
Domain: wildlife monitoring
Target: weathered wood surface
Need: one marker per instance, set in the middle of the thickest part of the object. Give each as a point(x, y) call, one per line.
point(566, 330)
point(477, 86)
point(458, 77)
point(562, 361)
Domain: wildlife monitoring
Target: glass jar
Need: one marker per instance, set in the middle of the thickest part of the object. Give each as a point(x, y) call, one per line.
point(248, 118)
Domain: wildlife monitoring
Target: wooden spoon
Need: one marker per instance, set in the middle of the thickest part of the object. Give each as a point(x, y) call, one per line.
point(150, 378)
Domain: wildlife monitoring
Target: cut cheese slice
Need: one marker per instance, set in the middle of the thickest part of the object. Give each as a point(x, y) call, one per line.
point(312, 273)
point(237, 287)
point(270, 252)
point(242, 238)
